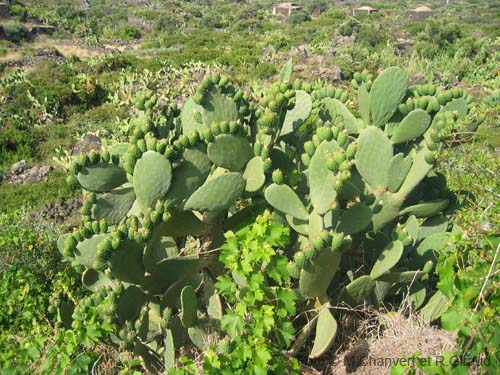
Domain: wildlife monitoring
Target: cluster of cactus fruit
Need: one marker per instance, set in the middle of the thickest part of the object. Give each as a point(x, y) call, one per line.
point(359, 193)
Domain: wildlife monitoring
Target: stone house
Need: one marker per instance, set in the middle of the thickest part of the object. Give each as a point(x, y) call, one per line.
point(364, 9)
point(420, 13)
point(286, 9)
point(4, 10)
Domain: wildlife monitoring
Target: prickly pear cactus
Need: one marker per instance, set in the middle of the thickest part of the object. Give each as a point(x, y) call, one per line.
point(359, 193)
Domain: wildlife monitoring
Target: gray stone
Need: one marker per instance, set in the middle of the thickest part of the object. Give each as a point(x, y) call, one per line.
point(88, 143)
point(18, 168)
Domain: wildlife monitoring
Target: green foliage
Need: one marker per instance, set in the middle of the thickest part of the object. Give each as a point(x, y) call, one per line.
point(16, 32)
point(257, 321)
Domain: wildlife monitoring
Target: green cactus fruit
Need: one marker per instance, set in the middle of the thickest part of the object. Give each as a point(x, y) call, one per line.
point(138, 134)
point(95, 227)
point(429, 265)
point(318, 243)
point(306, 159)
point(432, 146)
point(300, 259)
point(342, 138)
point(103, 225)
point(199, 98)
point(86, 208)
point(206, 85)
point(141, 145)
point(351, 149)
point(404, 109)
point(224, 127)
point(166, 217)
point(345, 176)
point(115, 243)
point(325, 134)
point(70, 246)
point(94, 157)
point(215, 78)
point(257, 148)
point(293, 270)
point(310, 253)
point(160, 147)
point(277, 176)
point(215, 129)
point(339, 156)
point(332, 165)
point(78, 234)
point(234, 127)
point(83, 160)
point(309, 148)
point(316, 141)
point(268, 164)
point(74, 168)
point(434, 135)
point(345, 165)
point(207, 135)
point(430, 159)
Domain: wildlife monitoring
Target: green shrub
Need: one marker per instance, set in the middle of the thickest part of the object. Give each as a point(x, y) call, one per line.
point(17, 32)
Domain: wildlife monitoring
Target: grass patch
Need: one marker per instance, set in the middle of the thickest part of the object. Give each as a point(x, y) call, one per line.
point(35, 195)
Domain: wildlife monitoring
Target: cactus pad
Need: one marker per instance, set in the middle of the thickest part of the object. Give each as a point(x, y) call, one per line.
point(338, 110)
point(326, 331)
point(102, 177)
point(152, 178)
point(398, 170)
point(284, 199)
point(230, 151)
point(189, 306)
point(321, 179)
point(126, 262)
point(86, 250)
point(218, 193)
point(113, 206)
point(254, 174)
point(318, 274)
point(298, 114)
point(413, 126)
point(359, 290)
point(355, 219)
point(374, 156)
point(189, 176)
point(387, 259)
point(387, 91)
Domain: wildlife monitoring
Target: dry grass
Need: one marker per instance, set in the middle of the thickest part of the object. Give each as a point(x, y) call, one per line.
point(385, 337)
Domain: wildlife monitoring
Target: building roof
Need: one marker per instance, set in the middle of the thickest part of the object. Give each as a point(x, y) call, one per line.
point(365, 8)
point(422, 9)
point(288, 5)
